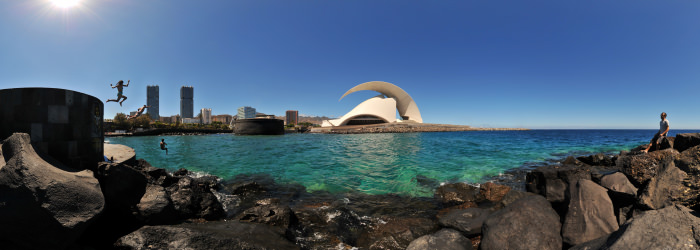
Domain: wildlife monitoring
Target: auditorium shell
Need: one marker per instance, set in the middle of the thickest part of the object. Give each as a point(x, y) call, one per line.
point(381, 108)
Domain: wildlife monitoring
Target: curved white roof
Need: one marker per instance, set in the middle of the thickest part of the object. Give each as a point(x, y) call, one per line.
point(407, 108)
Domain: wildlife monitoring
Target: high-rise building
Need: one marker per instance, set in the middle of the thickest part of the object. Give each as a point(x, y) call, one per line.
point(246, 113)
point(206, 116)
point(152, 100)
point(186, 102)
point(292, 117)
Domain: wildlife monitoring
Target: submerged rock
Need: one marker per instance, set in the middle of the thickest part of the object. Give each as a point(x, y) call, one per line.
point(43, 206)
point(457, 193)
point(528, 223)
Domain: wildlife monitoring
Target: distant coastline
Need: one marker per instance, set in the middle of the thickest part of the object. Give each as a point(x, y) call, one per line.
point(404, 128)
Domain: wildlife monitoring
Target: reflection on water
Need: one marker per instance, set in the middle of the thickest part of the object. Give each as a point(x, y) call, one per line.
point(407, 164)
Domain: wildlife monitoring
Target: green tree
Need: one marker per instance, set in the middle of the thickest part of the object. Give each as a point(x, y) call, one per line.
point(120, 121)
point(142, 122)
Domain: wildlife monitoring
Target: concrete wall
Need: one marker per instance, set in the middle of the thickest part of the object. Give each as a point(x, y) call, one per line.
point(65, 124)
point(259, 127)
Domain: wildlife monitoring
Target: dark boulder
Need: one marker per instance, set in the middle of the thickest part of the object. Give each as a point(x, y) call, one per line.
point(673, 227)
point(468, 221)
point(43, 206)
point(666, 188)
point(122, 185)
point(640, 168)
point(619, 183)
point(445, 239)
point(686, 141)
point(598, 160)
point(492, 192)
point(528, 223)
point(270, 213)
point(156, 208)
point(193, 198)
point(456, 193)
point(210, 235)
point(553, 182)
point(512, 196)
point(158, 176)
point(590, 215)
point(395, 233)
point(689, 162)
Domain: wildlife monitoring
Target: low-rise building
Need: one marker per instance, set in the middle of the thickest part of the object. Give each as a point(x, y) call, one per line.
point(225, 119)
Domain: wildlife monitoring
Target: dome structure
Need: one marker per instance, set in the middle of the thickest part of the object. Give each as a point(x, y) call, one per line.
point(381, 108)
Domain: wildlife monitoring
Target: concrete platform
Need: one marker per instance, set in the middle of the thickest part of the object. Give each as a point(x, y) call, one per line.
point(120, 153)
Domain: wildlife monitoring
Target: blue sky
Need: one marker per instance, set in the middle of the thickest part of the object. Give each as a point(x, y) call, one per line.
point(534, 64)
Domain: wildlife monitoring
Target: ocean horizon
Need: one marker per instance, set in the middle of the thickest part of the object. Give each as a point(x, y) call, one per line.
point(411, 164)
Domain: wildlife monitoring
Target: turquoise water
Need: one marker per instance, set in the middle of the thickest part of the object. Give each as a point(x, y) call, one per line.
point(378, 163)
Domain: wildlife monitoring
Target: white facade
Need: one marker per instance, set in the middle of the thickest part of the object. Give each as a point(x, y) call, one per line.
point(246, 112)
point(190, 120)
point(206, 116)
point(379, 109)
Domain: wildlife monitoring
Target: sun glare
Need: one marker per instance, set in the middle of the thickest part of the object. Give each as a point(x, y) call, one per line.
point(65, 3)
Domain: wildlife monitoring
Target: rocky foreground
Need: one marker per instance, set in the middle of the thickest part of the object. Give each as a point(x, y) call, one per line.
point(627, 201)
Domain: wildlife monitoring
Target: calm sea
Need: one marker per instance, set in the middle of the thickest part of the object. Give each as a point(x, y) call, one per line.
point(379, 163)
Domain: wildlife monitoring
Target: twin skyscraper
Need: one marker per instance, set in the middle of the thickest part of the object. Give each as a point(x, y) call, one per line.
point(186, 101)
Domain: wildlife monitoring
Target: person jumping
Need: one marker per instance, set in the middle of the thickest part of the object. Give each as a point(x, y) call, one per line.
point(120, 86)
point(162, 146)
point(139, 112)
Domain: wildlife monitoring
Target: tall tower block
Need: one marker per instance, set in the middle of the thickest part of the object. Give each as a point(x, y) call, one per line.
point(186, 102)
point(153, 100)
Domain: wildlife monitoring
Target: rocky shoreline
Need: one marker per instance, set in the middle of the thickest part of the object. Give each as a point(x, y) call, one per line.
point(628, 201)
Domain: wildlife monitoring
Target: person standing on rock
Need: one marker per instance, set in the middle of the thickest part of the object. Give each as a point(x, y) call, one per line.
point(663, 131)
point(120, 86)
point(162, 146)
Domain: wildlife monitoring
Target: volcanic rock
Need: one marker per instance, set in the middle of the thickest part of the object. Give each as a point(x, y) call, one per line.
point(673, 227)
point(618, 182)
point(155, 207)
point(122, 185)
point(666, 187)
point(43, 206)
point(210, 235)
point(640, 168)
point(193, 198)
point(686, 141)
point(445, 239)
point(271, 214)
point(468, 221)
point(457, 193)
point(492, 192)
point(598, 160)
point(528, 223)
point(395, 233)
point(590, 214)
